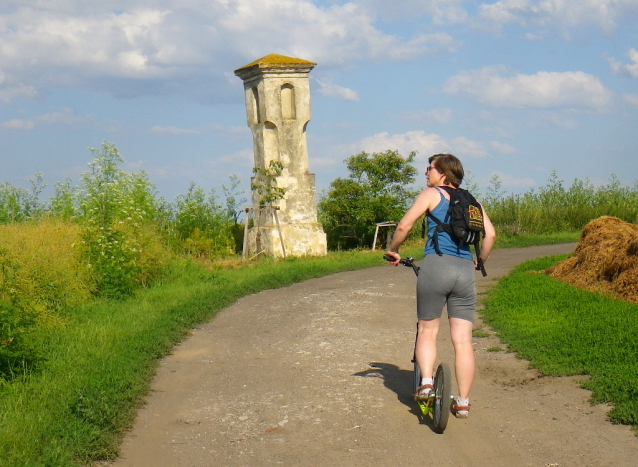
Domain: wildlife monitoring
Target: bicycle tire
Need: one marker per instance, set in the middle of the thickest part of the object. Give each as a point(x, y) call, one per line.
point(443, 393)
point(416, 381)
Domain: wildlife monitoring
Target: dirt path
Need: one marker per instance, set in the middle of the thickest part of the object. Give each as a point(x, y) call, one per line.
point(319, 374)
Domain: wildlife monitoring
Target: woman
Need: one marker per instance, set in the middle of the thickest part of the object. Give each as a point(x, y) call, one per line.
point(448, 278)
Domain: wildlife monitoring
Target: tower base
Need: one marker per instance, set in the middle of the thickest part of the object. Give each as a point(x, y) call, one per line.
point(298, 240)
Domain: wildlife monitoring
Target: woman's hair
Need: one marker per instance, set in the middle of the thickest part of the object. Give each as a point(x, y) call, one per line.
point(450, 166)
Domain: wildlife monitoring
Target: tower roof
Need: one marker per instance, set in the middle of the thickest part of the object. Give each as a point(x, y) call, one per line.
point(275, 62)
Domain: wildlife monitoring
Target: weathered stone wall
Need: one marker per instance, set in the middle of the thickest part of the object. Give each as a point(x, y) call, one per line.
point(277, 94)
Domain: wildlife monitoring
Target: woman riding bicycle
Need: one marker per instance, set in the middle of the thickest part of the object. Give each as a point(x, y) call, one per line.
point(448, 278)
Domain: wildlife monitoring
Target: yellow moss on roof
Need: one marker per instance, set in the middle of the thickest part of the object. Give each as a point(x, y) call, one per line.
point(276, 61)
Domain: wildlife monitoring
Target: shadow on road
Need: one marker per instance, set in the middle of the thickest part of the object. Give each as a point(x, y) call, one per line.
point(398, 381)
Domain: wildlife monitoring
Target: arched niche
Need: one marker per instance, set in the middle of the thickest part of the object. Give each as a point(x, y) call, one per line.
point(288, 111)
point(271, 140)
point(256, 114)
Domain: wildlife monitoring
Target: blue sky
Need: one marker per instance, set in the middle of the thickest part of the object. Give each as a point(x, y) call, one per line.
point(515, 88)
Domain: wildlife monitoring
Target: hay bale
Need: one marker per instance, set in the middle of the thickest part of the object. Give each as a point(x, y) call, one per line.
point(605, 260)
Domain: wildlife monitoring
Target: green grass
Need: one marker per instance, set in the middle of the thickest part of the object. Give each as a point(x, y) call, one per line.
point(505, 240)
point(76, 407)
point(566, 331)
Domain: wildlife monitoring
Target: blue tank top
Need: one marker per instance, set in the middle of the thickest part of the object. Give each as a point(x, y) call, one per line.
point(446, 245)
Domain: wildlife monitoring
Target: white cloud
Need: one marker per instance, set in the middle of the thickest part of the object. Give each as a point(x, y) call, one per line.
point(559, 14)
point(172, 46)
point(9, 89)
point(242, 158)
point(516, 183)
point(65, 117)
point(434, 115)
point(332, 90)
point(462, 146)
point(533, 37)
point(17, 124)
point(503, 148)
point(630, 69)
point(440, 12)
point(563, 122)
point(172, 130)
point(425, 144)
point(542, 90)
point(222, 130)
point(631, 99)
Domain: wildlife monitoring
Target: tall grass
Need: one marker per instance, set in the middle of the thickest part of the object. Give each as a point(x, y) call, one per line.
point(555, 208)
point(564, 331)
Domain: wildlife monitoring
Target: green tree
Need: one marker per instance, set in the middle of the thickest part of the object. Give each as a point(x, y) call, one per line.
point(377, 190)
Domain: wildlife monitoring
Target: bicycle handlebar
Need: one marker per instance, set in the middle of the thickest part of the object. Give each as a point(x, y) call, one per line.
point(407, 262)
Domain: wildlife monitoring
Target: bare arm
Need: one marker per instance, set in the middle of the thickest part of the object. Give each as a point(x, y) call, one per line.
point(490, 236)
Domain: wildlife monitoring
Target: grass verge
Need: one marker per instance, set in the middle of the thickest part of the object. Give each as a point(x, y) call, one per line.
point(76, 407)
point(505, 240)
point(566, 331)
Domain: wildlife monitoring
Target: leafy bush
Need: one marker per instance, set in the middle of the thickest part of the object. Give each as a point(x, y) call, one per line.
point(117, 210)
point(377, 190)
point(201, 225)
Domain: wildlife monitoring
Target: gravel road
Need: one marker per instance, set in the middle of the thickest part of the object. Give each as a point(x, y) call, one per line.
point(319, 374)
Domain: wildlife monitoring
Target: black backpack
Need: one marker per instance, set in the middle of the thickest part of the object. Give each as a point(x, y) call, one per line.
point(466, 223)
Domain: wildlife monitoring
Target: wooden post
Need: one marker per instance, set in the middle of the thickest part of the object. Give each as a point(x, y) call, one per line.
point(381, 224)
point(253, 209)
point(281, 237)
point(246, 217)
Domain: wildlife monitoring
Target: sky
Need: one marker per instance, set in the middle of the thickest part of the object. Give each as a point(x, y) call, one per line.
point(515, 88)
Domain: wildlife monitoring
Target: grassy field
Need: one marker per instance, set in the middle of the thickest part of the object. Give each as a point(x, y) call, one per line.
point(565, 331)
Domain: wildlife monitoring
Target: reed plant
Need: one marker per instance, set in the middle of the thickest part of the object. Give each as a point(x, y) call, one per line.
point(555, 208)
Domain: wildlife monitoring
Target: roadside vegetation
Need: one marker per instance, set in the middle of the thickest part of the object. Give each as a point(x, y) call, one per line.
point(100, 281)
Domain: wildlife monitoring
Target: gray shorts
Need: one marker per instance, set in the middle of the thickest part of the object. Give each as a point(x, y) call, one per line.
point(446, 279)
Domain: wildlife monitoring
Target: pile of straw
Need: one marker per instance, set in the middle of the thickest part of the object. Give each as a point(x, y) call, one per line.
point(605, 260)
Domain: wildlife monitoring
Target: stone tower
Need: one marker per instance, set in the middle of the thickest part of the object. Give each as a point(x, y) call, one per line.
point(277, 94)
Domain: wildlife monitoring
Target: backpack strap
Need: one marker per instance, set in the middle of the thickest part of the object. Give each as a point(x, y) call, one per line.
point(440, 227)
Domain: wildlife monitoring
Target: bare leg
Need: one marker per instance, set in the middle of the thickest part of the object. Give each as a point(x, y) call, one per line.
point(425, 350)
point(464, 363)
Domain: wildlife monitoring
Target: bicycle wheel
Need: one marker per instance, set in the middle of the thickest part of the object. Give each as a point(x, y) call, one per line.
point(416, 381)
point(442, 392)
